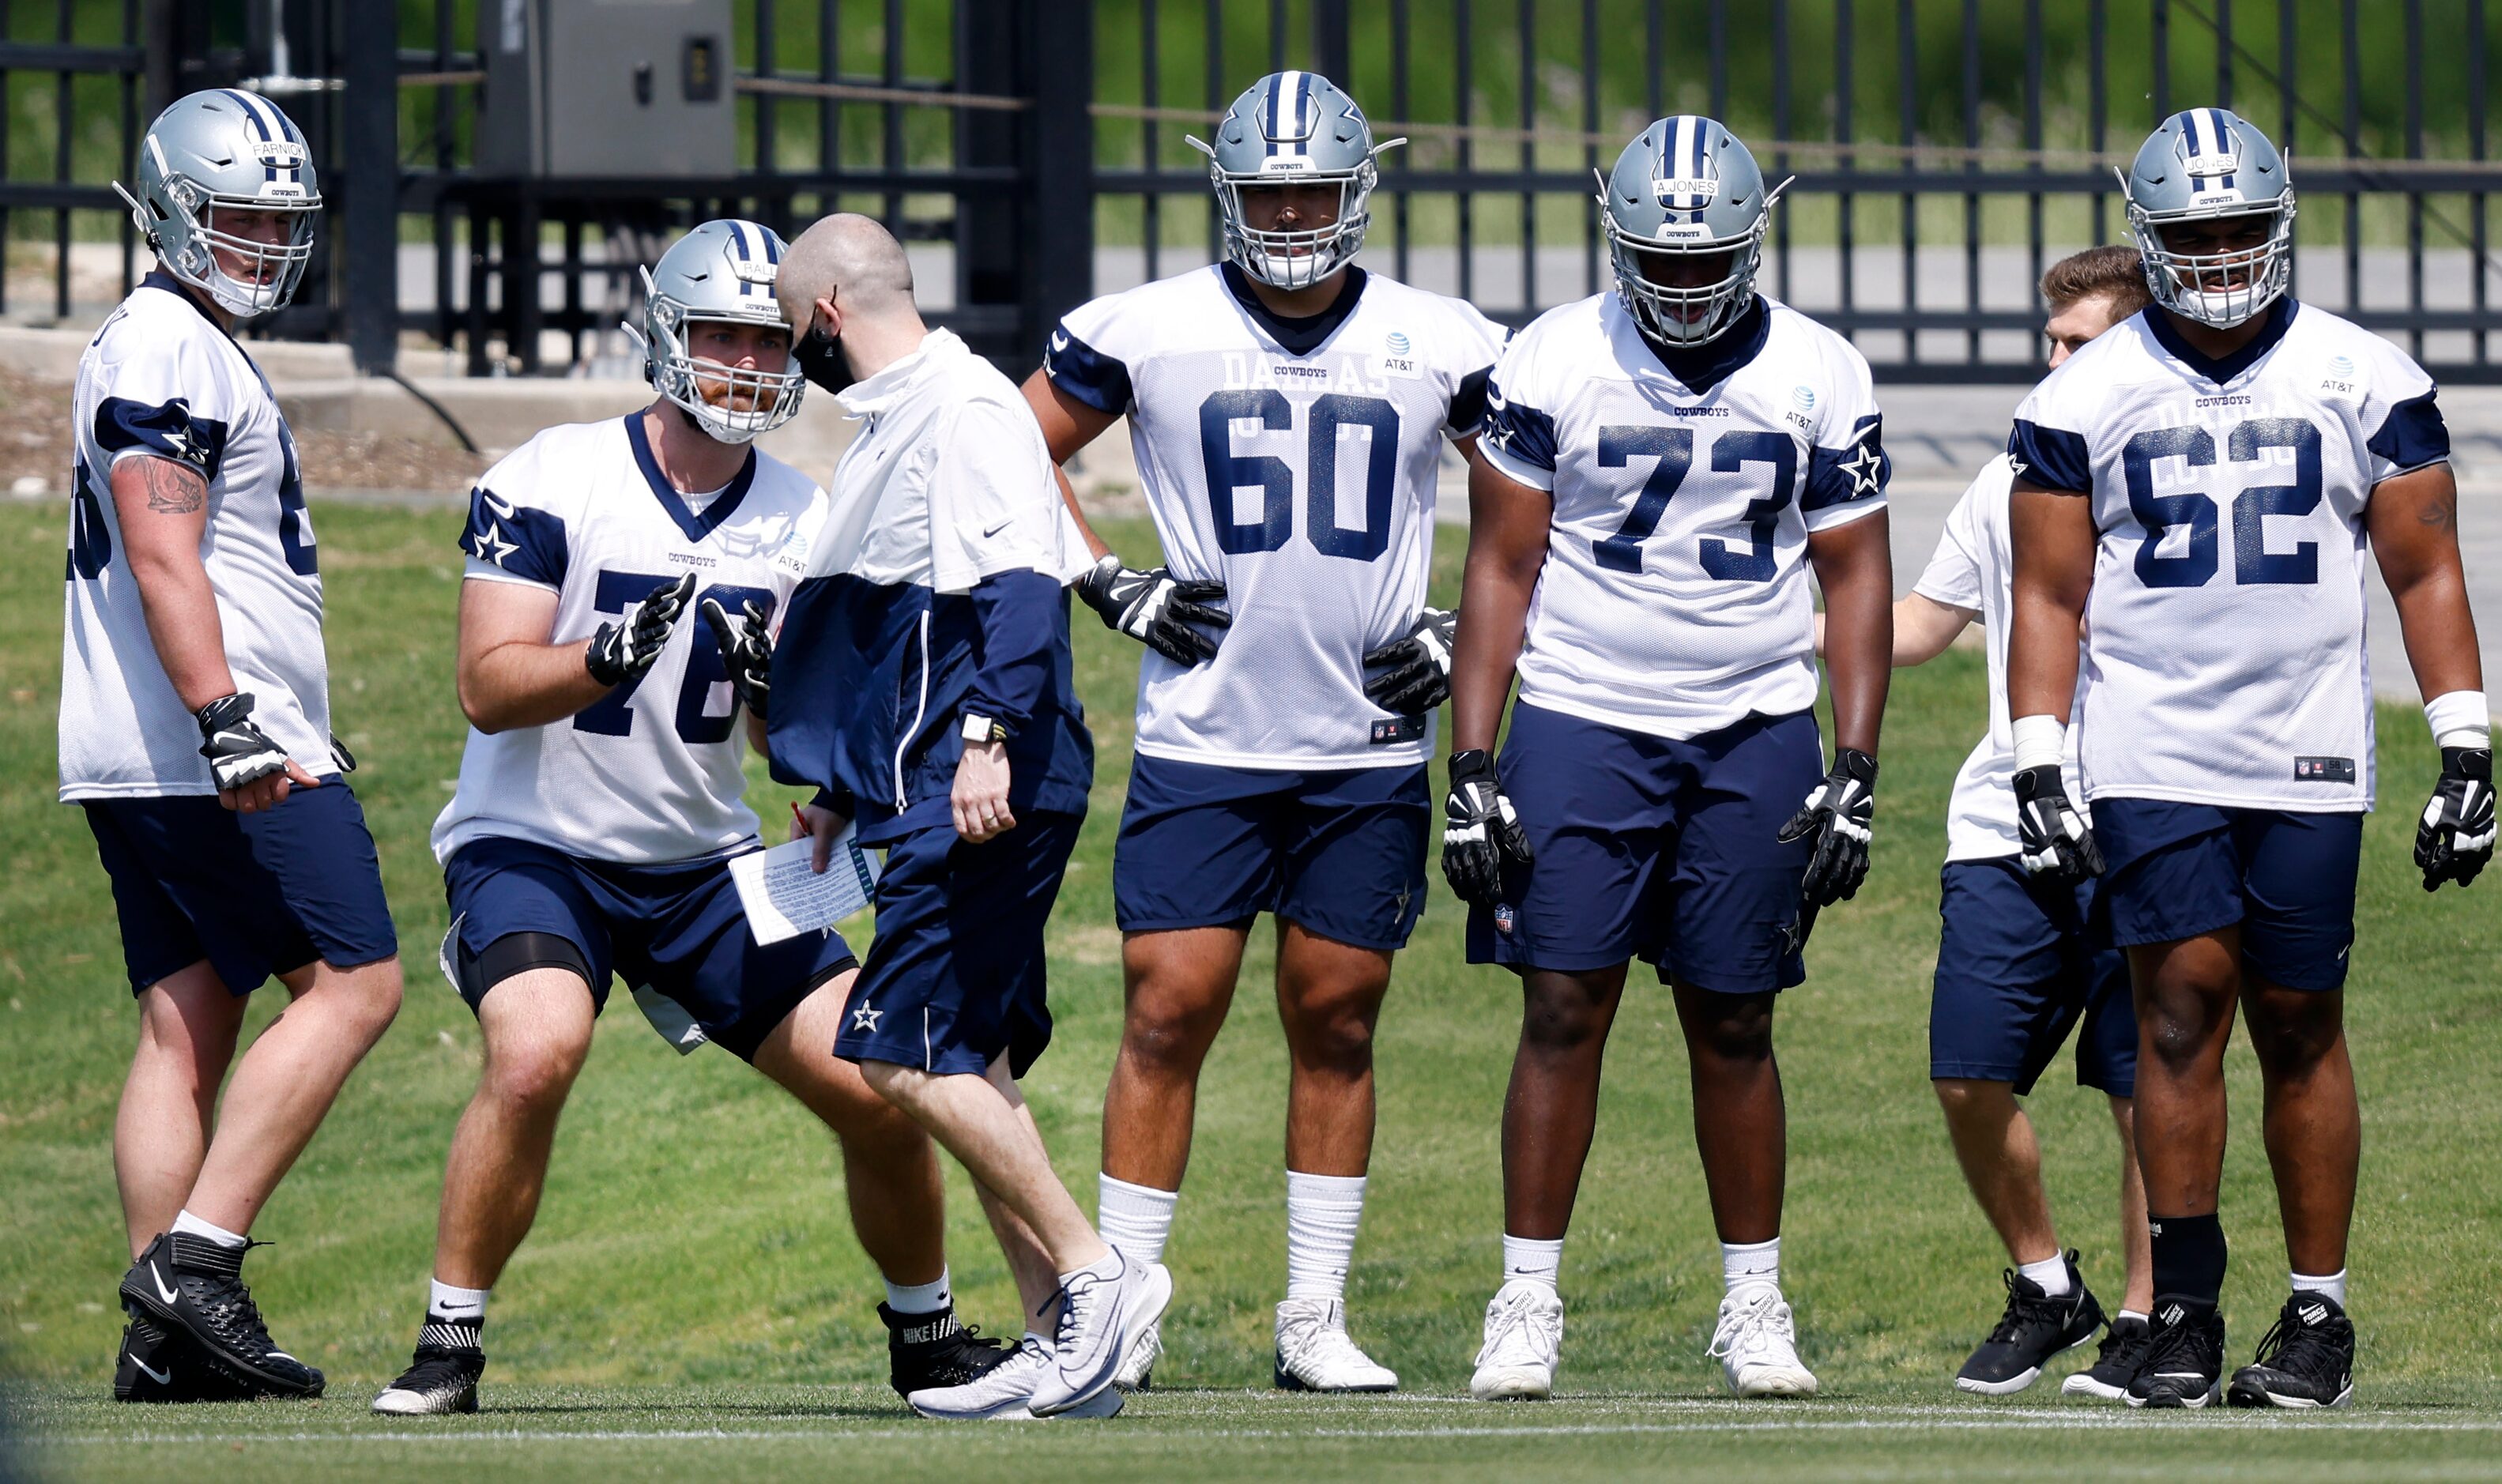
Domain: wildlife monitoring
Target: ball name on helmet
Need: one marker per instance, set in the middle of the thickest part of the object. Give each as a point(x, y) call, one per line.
point(721, 271)
point(225, 149)
point(1294, 128)
point(2205, 165)
point(1685, 187)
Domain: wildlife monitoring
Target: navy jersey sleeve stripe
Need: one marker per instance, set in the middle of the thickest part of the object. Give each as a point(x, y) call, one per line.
point(2412, 436)
point(2051, 457)
point(1858, 470)
point(1523, 434)
point(1099, 381)
point(164, 430)
point(1015, 630)
point(1469, 403)
point(530, 544)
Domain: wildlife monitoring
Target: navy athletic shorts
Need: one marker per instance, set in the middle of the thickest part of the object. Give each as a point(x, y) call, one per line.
point(1654, 848)
point(2174, 871)
point(1340, 851)
point(955, 978)
point(676, 933)
point(2016, 972)
point(255, 894)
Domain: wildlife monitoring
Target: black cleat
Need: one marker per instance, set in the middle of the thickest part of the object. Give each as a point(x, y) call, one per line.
point(2184, 1358)
point(932, 1352)
point(193, 1288)
point(441, 1379)
point(2306, 1360)
point(2035, 1328)
point(155, 1365)
point(2124, 1351)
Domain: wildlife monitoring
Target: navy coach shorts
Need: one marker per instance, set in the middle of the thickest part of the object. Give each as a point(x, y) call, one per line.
point(255, 894)
point(955, 978)
point(1654, 848)
point(1340, 852)
point(2016, 972)
point(2174, 871)
point(676, 933)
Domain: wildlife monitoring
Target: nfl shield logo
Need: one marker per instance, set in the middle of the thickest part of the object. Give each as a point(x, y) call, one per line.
point(1503, 917)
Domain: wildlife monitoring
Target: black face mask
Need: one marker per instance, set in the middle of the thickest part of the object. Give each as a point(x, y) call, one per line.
point(823, 362)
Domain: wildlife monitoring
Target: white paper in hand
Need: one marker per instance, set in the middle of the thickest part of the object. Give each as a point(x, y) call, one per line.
point(784, 898)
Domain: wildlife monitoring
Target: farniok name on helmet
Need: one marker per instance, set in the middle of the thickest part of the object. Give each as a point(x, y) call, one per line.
point(225, 150)
point(1294, 128)
point(721, 271)
point(1685, 188)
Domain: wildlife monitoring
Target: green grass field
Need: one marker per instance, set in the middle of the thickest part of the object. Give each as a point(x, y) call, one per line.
point(691, 1304)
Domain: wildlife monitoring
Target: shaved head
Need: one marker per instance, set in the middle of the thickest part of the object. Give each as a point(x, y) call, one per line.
point(849, 258)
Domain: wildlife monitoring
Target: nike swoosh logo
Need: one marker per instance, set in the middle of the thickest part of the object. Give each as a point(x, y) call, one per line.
point(163, 1377)
point(995, 529)
point(1059, 340)
point(163, 1292)
point(502, 508)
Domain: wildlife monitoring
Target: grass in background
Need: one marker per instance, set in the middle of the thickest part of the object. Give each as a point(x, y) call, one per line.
point(692, 1234)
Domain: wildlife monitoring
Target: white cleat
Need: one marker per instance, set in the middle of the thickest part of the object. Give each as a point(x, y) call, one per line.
point(1756, 1346)
point(1314, 1354)
point(1524, 1336)
point(1101, 1319)
point(1000, 1394)
point(1137, 1370)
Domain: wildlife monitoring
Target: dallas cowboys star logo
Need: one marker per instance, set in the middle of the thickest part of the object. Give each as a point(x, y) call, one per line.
point(866, 1018)
point(490, 545)
point(185, 445)
point(1862, 466)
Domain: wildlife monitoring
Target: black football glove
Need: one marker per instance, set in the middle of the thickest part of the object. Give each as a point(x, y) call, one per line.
point(1157, 609)
point(238, 751)
point(746, 651)
point(1479, 830)
point(1838, 813)
point(624, 652)
point(1414, 671)
point(2056, 843)
point(2455, 838)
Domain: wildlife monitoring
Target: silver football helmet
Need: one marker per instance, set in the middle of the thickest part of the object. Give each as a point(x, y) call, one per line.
point(720, 271)
point(1294, 128)
point(2201, 164)
point(224, 150)
point(1685, 188)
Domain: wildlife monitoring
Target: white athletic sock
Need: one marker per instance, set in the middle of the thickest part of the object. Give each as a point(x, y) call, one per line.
point(1530, 1258)
point(919, 1297)
point(192, 1226)
point(2333, 1285)
point(2050, 1273)
point(1137, 1218)
point(1746, 1263)
point(2134, 1314)
point(1321, 1216)
point(447, 1304)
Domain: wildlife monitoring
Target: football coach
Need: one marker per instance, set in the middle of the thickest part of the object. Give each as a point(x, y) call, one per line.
point(923, 683)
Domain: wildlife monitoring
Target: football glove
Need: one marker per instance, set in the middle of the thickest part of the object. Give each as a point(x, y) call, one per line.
point(1414, 671)
point(624, 652)
point(238, 751)
point(2455, 838)
point(746, 651)
point(2056, 842)
point(1838, 814)
point(1157, 609)
point(1479, 830)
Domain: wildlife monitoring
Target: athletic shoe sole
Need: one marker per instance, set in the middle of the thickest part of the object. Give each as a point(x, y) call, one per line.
point(402, 1404)
point(1106, 1402)
point(2083, 1385)
point(2169, 1401)
point(1287, 1381)
point(2259, 1395)
point(1777, 1387)
point(1512, 1386)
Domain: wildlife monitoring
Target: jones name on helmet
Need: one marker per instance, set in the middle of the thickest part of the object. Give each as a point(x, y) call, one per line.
point(1685, 192)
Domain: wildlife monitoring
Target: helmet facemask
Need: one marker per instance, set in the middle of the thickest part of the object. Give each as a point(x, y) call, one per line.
point(1685, 316)
point(2202, 285)
point(190, 245)
point(1304, 256)
point(770, 398)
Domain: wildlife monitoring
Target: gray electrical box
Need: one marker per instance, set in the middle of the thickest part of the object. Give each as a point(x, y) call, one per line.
point(606, 88)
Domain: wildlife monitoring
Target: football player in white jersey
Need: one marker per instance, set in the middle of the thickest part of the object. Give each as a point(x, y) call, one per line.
point(621, 579)
point(2017, 969)
point(1662, 465)
point(2200, 486)
point(1289, 411)
point(195, 733)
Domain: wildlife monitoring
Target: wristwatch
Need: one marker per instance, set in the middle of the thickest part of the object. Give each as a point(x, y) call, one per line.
point(983, 728)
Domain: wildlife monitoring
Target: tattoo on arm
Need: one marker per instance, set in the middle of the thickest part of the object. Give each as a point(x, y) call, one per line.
point(2441, 512)
point(172, 489)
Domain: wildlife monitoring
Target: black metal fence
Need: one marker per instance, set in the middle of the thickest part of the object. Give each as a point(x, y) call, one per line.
point(1030, 150)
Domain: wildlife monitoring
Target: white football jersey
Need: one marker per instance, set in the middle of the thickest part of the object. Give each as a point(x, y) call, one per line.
point(1300, 478)
point(162, 380)
point(1675, 599)
point(650, 772)
point(2224, 656)
point(1973, 568)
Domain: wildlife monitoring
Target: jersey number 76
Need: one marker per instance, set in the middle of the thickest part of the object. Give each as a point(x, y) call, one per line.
point(613, 714)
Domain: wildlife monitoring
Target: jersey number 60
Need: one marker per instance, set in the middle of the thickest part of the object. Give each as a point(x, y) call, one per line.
point(1228, 472)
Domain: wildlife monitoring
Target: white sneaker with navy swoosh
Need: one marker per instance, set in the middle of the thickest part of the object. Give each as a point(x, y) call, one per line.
point(1757, 1346)
point(1105, 1309)
point(1524, 1340)
point(1002, 1393)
